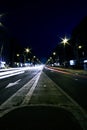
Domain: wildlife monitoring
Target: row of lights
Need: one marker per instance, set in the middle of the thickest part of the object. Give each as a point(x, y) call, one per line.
point(64, 42)
point(28, 50)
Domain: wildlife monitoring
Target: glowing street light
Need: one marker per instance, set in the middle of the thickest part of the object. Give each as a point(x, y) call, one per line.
point(27, 50)
point(65, 41)
point(50, 58)
point(18, 55)
point(79, 46)
point(54, 53)
point(34, 56)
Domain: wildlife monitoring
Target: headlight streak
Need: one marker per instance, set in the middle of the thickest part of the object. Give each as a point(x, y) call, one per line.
point(15, 71)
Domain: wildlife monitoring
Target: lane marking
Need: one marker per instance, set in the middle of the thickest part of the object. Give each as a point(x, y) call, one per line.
point(9, 75)
point(10, 72)
point(30, 93)
point(13, 100)
point(12, 84)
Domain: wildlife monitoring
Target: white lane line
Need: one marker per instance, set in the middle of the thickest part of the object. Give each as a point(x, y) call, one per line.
point(12, 84)
point(30, 93)
point(9, 72)
point(9, 75)
point(14, 99)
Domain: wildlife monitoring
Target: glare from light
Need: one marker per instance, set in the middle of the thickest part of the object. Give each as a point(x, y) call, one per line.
point(10, 73)
point(29, 59)
point(65, 41)
point(18, 55)
point(79, 46)
point(34, 56)
point(72, 62)
point(21, 64)
point(57, 64)
point(54, 53)
point(17, 64)
point(27, 50)
point(50, 58)
point(20, 70)
point(2, 64)
point(85, 61)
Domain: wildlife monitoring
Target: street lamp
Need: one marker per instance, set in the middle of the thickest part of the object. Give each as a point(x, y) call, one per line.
point(65, 41)
point(54, 53)
point(34, 56)
point(79, 46)
point(27, 50)
point(18, 55)
point(18, 59)
point(77, 50)
point(50, 58)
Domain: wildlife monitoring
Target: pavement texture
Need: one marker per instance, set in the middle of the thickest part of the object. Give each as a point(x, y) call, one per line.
point(49, 96)
point(47, 92)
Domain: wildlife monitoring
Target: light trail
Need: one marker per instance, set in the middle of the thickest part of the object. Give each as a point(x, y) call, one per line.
point(15, 71)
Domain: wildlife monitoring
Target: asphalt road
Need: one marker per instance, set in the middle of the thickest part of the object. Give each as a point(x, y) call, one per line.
point(74, 85)
point(38, 86)
point(10, 85)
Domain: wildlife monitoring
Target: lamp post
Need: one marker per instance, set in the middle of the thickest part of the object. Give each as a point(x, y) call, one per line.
point(77, 49)
point(18, 59)
point(27, 50)
point(64, 42)
point(54, 57)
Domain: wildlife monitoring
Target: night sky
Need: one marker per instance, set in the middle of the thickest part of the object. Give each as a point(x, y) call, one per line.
point(40, 25)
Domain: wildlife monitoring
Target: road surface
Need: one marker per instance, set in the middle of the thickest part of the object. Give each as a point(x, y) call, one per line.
point(44, 87)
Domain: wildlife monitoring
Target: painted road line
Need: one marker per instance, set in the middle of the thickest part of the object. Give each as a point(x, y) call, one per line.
point(17, 98)
point(12, 84)
point(9, 72)
point(13, 74)
point(30, 93)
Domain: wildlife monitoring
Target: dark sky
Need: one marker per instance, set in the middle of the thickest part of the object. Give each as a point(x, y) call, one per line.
point(40, 24)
